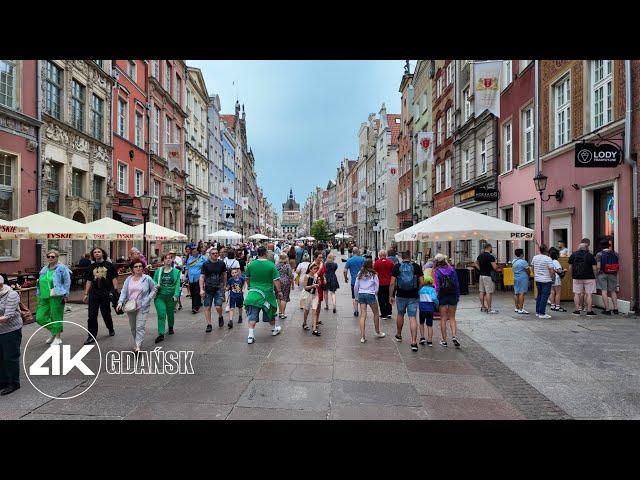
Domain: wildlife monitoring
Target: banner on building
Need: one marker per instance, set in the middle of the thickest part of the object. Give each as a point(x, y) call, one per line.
point(425, 147)
point(225, 190)
point(363, 199)
point(486, 95)
point(393, 170)
point(173, 152)
point(245, 203)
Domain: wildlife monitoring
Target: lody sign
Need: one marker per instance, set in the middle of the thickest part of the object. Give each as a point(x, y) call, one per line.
point(590, 155)
point(483, 194)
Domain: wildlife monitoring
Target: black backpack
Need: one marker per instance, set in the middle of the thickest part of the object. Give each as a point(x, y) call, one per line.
point(446, 286)
point(580, 268)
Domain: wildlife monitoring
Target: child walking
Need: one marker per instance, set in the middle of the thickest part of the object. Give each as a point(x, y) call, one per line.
point(428, 305)
point(235, 286)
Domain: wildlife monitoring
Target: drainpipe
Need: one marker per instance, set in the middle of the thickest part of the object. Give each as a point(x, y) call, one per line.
point(38, 160)
point(630, 160)
point(536, 140)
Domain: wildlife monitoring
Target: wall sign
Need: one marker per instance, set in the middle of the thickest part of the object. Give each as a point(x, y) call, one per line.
point(590, 155)
point(467, 195)
point(486, 194)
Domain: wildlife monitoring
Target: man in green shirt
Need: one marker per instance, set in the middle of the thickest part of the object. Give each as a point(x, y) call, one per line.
point(262, 277)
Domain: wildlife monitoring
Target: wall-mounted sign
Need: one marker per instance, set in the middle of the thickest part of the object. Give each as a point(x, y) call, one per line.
point(486, 194)
point(125, 202)
point(590, 155)
point(467, 195)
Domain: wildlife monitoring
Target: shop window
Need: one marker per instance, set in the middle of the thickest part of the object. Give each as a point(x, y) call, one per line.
point(8, 248)
point(603, 217)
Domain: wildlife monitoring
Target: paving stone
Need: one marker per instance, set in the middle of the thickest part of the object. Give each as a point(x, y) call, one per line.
point(447, 408)
point(179, 411)
point(275, 371)
point(456, 386)
point(440, 366)
point(48, 416)
point(374, 393)
point(12, 413)
point(312, 373)
point(370, 351)
point(377, 412)
point(316, 357)
point(287, 395)
point(370, 371)
point(244, 413)
point(222, 364)
point(28, 398)
point(221, 390)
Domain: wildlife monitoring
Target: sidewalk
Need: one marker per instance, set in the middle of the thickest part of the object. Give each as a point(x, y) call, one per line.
point(508, 368)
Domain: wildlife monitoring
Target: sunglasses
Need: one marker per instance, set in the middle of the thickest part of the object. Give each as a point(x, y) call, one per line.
point(138, 266)
point(51, 256)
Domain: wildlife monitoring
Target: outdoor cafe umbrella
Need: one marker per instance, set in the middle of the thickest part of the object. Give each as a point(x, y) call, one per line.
point(157, 232)
point(48, 225)
point(258, 236)
point(342, 236)
point(110, 229)
point(461, 224)
point(225, 235)
point(11, 232)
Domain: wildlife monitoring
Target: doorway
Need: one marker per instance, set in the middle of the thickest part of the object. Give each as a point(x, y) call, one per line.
point(78, 247)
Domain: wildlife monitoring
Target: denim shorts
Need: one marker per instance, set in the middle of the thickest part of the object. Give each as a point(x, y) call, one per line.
point(235, 302)
point(367, 298)
point(407, 305)
point(451, 300)
point(253, 314)
point(216, 297)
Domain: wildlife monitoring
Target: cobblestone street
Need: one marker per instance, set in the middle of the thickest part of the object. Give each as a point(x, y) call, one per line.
point(507, 368)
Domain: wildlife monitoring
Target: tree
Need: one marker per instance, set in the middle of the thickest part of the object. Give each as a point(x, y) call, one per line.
point(319, 230)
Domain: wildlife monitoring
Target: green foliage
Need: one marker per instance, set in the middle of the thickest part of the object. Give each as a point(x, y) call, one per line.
point(320, 230)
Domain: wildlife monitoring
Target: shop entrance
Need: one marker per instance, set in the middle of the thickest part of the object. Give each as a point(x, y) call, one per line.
point(603, 217)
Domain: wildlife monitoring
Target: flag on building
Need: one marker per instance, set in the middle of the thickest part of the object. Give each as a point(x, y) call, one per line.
point(487, 87)
point(173, 152)
point(245, 203)
point(425, 147)
point(393, 170)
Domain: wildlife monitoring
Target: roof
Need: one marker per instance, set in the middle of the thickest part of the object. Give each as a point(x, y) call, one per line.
point(395, 127)
point(229, 120)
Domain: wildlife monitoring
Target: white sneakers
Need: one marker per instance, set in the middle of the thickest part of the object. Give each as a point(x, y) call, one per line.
point(522, 312)
point(362, 340)
point(380, 335)
point(276, 330)
point(250, 340)
point(51, 339)
point(546, 315)
point(56, 341)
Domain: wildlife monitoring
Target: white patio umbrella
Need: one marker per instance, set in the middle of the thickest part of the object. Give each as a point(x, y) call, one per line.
point(225, 235)
point(110, 229)
point(48, 225)
point(258, 236)
point(159, 233)
point(11, 232)
point(309, 238)
point(342, 236)
point(460, 224)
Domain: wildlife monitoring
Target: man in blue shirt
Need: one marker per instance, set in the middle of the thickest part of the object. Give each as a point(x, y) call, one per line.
point(353, 266)
point(392, 255)
point(193, 267)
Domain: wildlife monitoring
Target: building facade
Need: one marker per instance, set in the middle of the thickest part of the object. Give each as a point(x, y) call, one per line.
point(216, 165)
point(405, 213)
point(387, 181)
point(290, 217)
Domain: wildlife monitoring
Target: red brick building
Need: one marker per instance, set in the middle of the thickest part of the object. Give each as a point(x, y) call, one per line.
point(130, 144)
point(19, 150)
point(405, 157)
point(443, 102)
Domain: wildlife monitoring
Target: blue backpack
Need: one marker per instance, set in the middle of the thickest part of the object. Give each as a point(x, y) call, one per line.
point(407, 279)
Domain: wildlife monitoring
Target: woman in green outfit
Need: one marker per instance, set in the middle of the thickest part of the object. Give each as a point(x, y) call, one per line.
point(53, 287)
point(168, 280)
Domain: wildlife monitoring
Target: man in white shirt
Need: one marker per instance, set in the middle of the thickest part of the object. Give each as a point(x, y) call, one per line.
point(544, 275)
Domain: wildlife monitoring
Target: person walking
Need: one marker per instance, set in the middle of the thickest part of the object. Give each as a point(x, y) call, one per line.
point(366, 288)
point(486, 264)
point(383, 267)
point(608, 266)
point(10, 338)
point(406, 280)
point(331, 279)
point(135, 299)
point(286, 277)
point(428, 305)
point(556, 287)
point(167, 278)
point(213, 280)
point(53, 287)
point(230, 262)
point(262, 278)
point(520, 269)
point(101, 283)
point(544, 275)
point(447, 286)
point(393, 256)
point(309, 298)
point(291, 254)
point(301, 269)
point(194, 264)
point(583, 268)
point(235, 286)
point(299, 252)
point(353, 267)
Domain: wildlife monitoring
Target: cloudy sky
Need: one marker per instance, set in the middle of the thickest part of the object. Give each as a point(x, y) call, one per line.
point(302, 116)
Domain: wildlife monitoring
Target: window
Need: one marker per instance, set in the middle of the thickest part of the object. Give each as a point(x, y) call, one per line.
point(439, 83)
point(100, 63)
point(155, 69)
point(440, 130)
point(97, 197)
point(8, 83)
point(450, 73)
point(8, 248)
point(447, 173)
point(449, 122)
point(467, 104)
point(562, 111)
point(507, 216)
point(508, 159)
point(196, 110)
point(77, 104)
point(466, 166)
point(178, 135)
point(97, 116)
point(524, 64)
point(139, 183)
point(188, 99)
point(178, 90)
point(168, 77)
point(139, 130)
point(76, 183)
point(123, 177)
point(122, 117)
point(155, 143)
point(131, 69)
point(601, 92)
point(438, 178)
point(167, 130)
point(53, 100)
point(507, 73)
point(527, 135)
point(53, 203)
point(483, 156)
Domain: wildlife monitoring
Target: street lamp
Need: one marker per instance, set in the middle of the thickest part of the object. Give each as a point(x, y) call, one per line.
point(145, 205)
point(540, 181)
point(375, 215)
